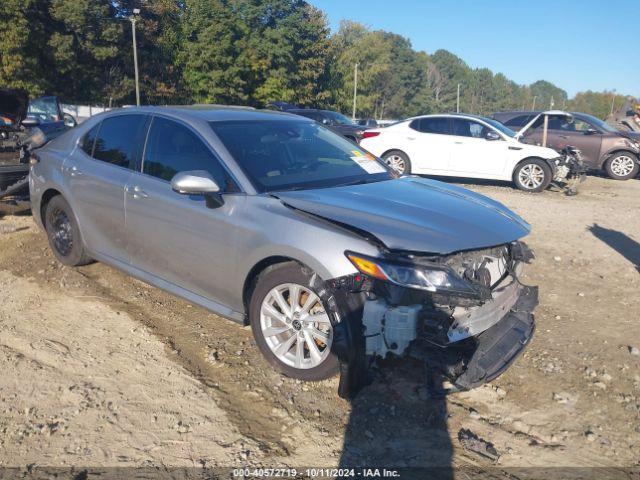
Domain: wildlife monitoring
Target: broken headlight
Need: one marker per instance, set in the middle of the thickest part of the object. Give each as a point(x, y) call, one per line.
point(429, 277)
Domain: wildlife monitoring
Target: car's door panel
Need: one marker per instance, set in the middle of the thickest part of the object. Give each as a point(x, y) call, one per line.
point(428, 144)
point(177, 237)
point(97, 173)
point(472, 154)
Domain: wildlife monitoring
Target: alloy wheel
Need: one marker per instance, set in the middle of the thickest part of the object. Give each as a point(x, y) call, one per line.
point(396, 162)
point(295, 326)
point(622, 165)
point(531, 176)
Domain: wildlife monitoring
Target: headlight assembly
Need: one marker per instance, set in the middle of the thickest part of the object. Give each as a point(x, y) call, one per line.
point(431, 278)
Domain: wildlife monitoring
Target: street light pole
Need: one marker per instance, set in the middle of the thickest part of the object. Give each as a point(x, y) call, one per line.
point(136, 11)
point(355, 90)
point(458, 100)
point(533, 106)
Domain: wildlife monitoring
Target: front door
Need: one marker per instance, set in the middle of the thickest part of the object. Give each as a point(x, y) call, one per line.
point(472, 154)
point(175, 237)
point(579, 134)
point(97, 173)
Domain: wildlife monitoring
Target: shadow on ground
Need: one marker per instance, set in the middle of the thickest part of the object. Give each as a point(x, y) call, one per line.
point(394, 424)
point(620, 242)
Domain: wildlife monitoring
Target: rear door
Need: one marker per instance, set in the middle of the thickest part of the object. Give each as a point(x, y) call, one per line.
point(428, 143)
point(97, 173)
point(175, 237)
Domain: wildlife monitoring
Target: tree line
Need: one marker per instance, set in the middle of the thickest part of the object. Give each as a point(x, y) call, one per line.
point(248, 52)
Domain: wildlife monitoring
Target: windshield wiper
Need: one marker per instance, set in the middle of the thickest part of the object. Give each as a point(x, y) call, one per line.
point(360, 181)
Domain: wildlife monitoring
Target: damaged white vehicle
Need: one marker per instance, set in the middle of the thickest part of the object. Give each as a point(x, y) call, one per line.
point(469, 146)
point(272, 220)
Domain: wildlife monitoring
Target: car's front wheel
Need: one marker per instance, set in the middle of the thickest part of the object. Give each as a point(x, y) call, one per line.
point(532, 175)
point(398, 161)
point(292, 326)
point(622, 166)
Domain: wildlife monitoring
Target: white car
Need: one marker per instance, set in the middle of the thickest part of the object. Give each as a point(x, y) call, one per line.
point(457, 145)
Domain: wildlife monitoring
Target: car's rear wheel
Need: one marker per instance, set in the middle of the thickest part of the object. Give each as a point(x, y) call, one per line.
point(292, 327)
point(63, 233)
point(398, 161)
point(622, 166)
point(532, 175)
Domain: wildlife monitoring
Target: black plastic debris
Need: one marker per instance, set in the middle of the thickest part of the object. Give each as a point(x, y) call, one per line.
point(471, 442)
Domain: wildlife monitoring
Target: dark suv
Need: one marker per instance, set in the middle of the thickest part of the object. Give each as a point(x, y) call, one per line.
point(333, 120)
point(602, 146)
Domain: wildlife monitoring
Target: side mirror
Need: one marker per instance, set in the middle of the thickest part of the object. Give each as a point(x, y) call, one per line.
point(69, 121)
point(198, 182)
point(591, 131)
point(31, 122)
point(326, 121)
point(491, 136)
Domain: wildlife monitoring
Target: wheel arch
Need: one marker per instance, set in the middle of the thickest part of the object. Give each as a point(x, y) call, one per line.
point(45, 198)
point(533, 157)
point(389, 150)
point(615, 151)
point(255, 272)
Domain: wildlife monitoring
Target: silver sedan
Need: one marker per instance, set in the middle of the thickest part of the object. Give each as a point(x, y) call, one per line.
point(273, 220)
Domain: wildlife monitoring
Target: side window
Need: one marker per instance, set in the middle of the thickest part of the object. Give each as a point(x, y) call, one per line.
point(468, 128)
point(118, 139)
point(519, 121)
point(439, 125)
point(89, 140)
point(173, 148)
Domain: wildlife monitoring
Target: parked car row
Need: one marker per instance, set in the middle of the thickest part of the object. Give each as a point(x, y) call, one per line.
point(274, 220)
point(469, 146)
point(602, 146)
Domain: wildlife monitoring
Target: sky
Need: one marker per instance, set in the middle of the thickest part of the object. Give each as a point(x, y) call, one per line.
point(575, 44)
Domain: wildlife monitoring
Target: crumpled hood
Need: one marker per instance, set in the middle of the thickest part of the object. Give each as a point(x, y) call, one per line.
point(414, 214)
point(14, 105)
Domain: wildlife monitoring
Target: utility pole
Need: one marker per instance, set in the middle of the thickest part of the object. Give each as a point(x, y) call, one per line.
point(355, 90)
point(613, 101)
point(458, 100)
point(533, 106)
point(551, 103)
point(136, 11)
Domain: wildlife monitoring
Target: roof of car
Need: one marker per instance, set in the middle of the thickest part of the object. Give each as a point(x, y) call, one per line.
point(452, 115)
point(212, 113)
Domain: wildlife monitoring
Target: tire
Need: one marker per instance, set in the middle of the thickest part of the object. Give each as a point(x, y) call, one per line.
point(398, 161)
point(63, 233)
point(279, 340)
point(532, 175)
point(622, 166)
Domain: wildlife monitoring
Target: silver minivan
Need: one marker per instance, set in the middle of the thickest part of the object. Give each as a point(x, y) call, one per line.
point(272, 220)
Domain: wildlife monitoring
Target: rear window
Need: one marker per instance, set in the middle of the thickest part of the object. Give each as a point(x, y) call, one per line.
point(89, 140)
point(519, 121)
point(118, 139)
point(438, 125)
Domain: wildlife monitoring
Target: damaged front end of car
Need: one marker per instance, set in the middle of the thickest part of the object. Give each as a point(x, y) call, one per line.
point(569, 170)
point(465, 316)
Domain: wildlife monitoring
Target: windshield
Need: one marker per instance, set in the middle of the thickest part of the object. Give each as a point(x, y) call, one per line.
point(44, 108)
point(598, 123)
point(499, 126)
point(297, 155)
point(338, 118)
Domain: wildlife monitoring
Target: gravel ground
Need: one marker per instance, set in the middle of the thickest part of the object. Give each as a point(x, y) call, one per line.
point(99, 369)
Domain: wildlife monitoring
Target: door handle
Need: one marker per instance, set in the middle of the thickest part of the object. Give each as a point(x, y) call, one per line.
point(137, 192)
point(459, 143)
point(563, 136)
point(411, 138)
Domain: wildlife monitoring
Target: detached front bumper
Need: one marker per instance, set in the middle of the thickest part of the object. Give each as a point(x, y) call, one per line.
point(481, 358)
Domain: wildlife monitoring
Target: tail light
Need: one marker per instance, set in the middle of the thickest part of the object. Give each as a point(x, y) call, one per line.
point(370, 134)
